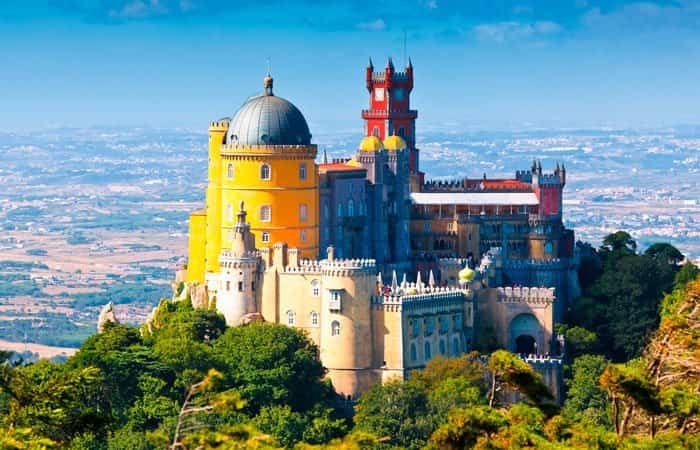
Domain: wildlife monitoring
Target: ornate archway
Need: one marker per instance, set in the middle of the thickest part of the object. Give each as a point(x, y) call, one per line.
point(526, 334)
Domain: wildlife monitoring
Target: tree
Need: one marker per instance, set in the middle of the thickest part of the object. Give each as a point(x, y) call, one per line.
point(586, 400)
point(687, 273)
point(508, 370)
point(665, 253)
point(272, 364)
point(466, 426)
point(619, 242)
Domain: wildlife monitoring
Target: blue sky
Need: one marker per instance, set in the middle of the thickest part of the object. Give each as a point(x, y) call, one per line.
point(478, 63)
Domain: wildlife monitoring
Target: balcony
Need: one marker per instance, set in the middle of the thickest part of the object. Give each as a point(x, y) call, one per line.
point(380, 114)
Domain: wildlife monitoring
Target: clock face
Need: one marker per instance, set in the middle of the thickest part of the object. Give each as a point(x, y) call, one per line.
point(379, 94)
point(398, 94)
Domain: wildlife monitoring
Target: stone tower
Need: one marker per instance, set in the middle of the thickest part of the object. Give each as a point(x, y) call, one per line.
point(238, 282)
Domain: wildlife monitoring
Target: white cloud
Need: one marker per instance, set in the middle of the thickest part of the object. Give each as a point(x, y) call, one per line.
point(375, 25)
point(514, 31)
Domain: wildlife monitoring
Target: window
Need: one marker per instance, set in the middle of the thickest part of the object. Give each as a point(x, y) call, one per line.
point(315, 288)
point(455, 346)
point(326, 213)
point(265, 213)
point(450, 226)
point(252, 286)
point(303, 212)
point(229, 172)
point(265, 236)
point(240, 286)
point(415, 328)
point(335, 328)
point(302, 171)
point(429, 326)
point(340, 210)
point(229, 211)
point(402, 132)
point(363, 208)
point(444, 324)
point(414, 355)
point(442, 347)
point(265, 172)
point(427, 351)
point(458, 322)
point(426, 226)
point(351, 208)
point(375, 131)
point(302, 235)
point(314, 319)
point(228, 285)
point(291, 318)
point(379, 94)
point(548, 248)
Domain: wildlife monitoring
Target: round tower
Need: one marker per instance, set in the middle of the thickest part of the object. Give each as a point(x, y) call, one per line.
point(346, 328)
point(239, 274)
point(268, 161)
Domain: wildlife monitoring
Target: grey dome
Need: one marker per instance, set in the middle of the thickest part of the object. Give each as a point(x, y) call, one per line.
point(268, 120)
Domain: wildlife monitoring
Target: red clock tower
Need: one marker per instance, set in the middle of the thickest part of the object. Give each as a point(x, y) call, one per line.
point(390, 110)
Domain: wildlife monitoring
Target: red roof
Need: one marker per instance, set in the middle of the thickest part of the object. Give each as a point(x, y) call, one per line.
point(337, 167)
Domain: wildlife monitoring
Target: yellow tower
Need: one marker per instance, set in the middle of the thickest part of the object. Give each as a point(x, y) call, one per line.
point(263, 157)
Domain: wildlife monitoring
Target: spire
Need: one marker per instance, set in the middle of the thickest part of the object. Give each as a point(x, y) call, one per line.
point(539, 167)
point(403, 281)
point(419, 283)
point(325, 156)
point(394, 283)
point(431, 279)
point(390, 64)
point(410, 64)
point(267, 84)
point(370, 65)
point(379, 280)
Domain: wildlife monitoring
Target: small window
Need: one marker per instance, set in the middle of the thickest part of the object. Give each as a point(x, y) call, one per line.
point(455, 346)
point(428, 354)
point(442, 347)
point(402, 132)
point(335, 328)
point(450, 226)
point(265, 237)
point(252, 286)
point(548, 248)
point(375, 131)
point(314, 318)
point(229, 172)
point(302, 171)
point(265, 213)
point(229, 211)
point(426, 226)
point(228, 285)
point(303, 212)
point(351, 208)
point(340, 210)
point(416, 327)
point(326, 213)
point(240, 286)
point(302, 235)
point(315, 288)
point(265, 172)
point(414, 354)
point(291, 318)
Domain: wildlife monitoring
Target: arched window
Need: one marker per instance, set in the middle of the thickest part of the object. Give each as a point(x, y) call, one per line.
point(229, 172)
point(455, 346)
point(375, 131)
point(314, 319)
point(302, 235)
point(303, 212)
point(229, 211)
point(442, 347)
point(427, 351)
point(265, 236)
point(265, 213)
point(316, 288)
point(351, 208)
point(414, 354)
point(340, 210)
point(265, 172)
point(302, 171)
point(291, 318)
point(548, 248)
point(335, 328)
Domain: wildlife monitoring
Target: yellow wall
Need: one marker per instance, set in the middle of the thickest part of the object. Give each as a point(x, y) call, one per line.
point(195, 263)
point(217, 130)
point(284, 192)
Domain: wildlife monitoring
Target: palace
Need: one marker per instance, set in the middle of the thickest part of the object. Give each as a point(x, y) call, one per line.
point(382, 268)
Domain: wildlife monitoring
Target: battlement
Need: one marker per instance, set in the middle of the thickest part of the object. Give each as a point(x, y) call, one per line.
point(383, 114)
point(451, 262)
point(526, 295)
point(268, 150)
point(305, 266)
point(554, 263)
point(542, 360)
point(219, 125)
point(395, 76)
point(549, 179)
point(477, 185)
point(415, 296)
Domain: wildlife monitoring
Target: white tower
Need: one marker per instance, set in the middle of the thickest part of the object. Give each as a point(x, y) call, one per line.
point(239, 279)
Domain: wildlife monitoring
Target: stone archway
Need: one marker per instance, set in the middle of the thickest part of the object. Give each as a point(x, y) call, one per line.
point(526, 334)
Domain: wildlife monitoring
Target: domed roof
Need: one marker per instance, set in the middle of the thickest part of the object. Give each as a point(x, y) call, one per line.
point(266, 119)
point(371, 144)
point(394, 143)
point(466, 274)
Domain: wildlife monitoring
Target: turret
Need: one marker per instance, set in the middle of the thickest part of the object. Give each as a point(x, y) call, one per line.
point(368, 75)
point(409, 73)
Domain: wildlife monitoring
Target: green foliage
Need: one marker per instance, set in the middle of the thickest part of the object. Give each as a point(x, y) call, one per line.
point(586, 400)
point(512, 372)
point(687, 273)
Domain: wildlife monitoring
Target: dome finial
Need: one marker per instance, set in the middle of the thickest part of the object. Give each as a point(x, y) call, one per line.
point(267, 83)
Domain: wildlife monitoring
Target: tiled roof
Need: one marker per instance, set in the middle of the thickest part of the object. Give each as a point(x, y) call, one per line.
point(337, 167)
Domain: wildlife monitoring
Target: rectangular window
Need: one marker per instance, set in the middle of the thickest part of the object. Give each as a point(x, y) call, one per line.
point(265, 213)
point(302, 171)
point(303, 212)
point(302, 235)
point(265, 237)
point(426, 226)
point(240, 286)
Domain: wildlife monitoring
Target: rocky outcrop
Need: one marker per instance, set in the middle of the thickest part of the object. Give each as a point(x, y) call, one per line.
point(106, 315)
